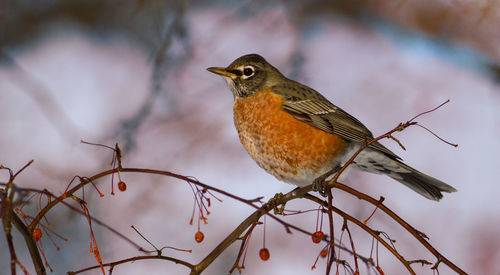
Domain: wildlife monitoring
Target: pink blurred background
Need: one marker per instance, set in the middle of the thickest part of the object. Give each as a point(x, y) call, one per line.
point(134, 73)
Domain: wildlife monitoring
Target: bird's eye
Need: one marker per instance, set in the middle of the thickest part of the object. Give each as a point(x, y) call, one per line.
point(248, 71)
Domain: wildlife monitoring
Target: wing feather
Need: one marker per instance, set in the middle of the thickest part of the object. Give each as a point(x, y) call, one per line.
point(309, 106)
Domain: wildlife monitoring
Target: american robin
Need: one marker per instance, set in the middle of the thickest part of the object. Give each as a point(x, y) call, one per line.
point(297, 135)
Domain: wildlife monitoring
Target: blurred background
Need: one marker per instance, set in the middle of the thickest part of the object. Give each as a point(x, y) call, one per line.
point(133, 72)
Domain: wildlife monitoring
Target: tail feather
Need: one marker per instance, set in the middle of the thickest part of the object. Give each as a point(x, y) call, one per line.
point(375, 161)
point(423, 184)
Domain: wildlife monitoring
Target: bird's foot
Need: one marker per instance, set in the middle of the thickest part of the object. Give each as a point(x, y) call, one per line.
point(278, 203)
point(320, 184)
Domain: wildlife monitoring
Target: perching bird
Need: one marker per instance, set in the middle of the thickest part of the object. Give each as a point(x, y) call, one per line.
point(297, 135)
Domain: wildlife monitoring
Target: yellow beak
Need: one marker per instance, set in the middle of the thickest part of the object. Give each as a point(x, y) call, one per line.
point(222, 72)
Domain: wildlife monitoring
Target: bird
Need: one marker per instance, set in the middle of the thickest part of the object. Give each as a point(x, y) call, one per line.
point(297, 135)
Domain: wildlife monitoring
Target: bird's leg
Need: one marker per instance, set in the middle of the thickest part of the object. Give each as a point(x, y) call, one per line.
point(319, 184)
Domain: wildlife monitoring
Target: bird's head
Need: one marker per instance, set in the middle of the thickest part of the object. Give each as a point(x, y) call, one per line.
point(248, 74)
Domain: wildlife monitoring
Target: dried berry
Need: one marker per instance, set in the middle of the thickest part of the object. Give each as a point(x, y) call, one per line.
point(264, 254)
point(122, 186)
point(37, 234)
point(198, 237)
point(316, 238)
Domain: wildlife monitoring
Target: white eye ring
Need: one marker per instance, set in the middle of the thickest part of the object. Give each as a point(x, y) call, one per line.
point(248, 71)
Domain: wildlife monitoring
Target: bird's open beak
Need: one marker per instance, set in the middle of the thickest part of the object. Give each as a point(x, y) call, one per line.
point(222, 72)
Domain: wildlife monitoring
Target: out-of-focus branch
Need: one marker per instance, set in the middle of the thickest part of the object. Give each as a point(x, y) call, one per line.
point(44, 99)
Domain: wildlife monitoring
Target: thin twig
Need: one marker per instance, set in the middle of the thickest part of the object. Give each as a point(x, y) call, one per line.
point(133, 259)
point(434, 134)
point(429, 111)
point(415, 233)
point(244, 243)
point(365, 228)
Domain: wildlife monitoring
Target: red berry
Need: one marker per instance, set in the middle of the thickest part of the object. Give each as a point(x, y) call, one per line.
point(316, 238)
point(198, 237)
point(122, 186)
point(323, 253)
point(264, 254)
point(37, 234)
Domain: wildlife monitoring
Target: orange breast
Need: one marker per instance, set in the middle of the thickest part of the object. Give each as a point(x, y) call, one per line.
point(290, 149)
